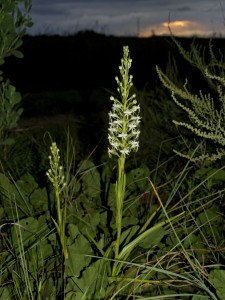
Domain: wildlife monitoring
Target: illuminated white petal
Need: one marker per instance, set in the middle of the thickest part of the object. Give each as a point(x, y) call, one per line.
point(123, 135)
point(125, 151)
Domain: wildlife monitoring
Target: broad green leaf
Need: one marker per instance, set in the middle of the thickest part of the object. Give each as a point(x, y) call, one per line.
point(27, 184)
point(153, 238)
point(191, 240)
point(5, 293)
point(25, 229)
point(217, 279)
point(8, 141)
point(6, 187)
point(73, 231)
point(8, 194)
point(137, 179)
point(77, 260)
point(129, 221)
point(44, 250)
point(29, 229)
point(128, 248)
point(217, 175)
point(90, 178)
point(17, 54)
point(91, 285)
point(39, 200)
point(128, 234)
point(1, 212)
point(209, 216)
point(48, 290)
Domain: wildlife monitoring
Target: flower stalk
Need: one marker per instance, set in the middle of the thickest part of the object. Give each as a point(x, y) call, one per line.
point(57, 178)
point(123, 135)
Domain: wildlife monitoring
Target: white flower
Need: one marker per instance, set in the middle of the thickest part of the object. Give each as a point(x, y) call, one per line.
point(132, 126)
point(125, 151)
point(115, 145)
point(128, 112)
point(124, 116)
point(136, 133)
point(136, 118)
point(110, 151)
point(123, 135)
point(118, 122)
point(113, 129)
point(136, 108)
point(134, 144)
point(112, 115)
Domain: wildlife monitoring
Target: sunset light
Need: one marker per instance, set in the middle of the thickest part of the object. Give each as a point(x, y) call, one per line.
point(178, 24)
point(128, 18)
point(178, 28)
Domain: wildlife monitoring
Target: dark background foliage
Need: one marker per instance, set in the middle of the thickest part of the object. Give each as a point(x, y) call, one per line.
point(89, 60)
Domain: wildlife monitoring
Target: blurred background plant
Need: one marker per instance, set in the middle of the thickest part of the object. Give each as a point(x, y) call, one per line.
point(14, 20)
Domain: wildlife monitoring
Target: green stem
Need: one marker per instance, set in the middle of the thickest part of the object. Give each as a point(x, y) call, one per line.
point(58, 206)
point(61, 226)
point(120, 194)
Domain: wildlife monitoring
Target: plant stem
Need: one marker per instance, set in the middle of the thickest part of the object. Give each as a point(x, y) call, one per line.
point(56, 176)
point(61, 214)
point(120, 194)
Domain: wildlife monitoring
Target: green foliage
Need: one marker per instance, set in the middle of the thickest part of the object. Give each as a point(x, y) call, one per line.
point(90, 179)
point(167, 241)
point(206, 112)
point(156, 139)
point(90, 233)
point(14, 21)
point(9, 110)
point(217, 279)
point(22, 195)
point(56, 176)
point(13, 26)
point(137, 179)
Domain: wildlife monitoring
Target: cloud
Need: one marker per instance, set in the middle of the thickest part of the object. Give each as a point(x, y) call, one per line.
point(184, 9)
point(125, 17)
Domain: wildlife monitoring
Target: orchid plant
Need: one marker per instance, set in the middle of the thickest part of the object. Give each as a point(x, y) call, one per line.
point(124, 120)
point(124, 123)
point(56, 175)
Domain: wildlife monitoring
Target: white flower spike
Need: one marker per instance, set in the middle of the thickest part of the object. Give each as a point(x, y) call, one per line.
point(124, 117)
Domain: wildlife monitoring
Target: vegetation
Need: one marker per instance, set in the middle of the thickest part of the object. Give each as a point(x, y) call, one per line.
point(138, 222)
point(13, 27)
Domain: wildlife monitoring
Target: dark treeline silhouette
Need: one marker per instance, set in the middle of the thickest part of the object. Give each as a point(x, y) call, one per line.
point(89, 60)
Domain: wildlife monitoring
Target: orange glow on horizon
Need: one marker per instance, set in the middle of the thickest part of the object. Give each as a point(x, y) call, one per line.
point(179, 28)
point(176, 24)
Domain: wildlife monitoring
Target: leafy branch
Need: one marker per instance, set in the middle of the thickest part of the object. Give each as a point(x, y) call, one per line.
point(206, 114)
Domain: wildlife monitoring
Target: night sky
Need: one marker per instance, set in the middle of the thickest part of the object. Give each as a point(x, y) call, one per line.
point(129, 17)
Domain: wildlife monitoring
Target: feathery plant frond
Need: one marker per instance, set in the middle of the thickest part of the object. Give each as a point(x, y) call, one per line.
point(206, 114)
point(197, 57)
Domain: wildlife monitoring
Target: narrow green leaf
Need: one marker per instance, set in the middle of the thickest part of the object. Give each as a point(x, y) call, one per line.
point(128, 248)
